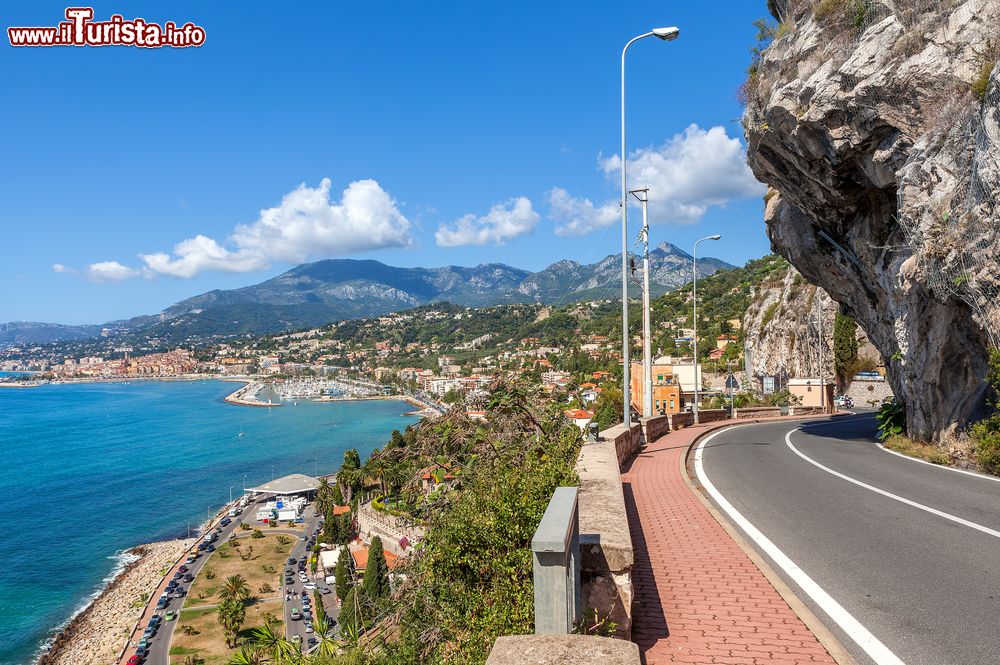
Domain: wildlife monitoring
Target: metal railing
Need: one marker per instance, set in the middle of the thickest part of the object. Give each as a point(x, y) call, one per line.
point(555, 551)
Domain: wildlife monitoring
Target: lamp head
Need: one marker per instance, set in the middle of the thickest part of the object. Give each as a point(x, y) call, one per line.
point(715, 237)
point(667, 34)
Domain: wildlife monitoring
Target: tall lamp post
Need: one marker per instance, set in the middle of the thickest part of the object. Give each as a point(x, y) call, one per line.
point(667, 35)
point(694, 298)
point(647, 354)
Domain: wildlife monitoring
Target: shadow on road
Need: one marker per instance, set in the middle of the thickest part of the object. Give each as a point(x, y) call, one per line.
point(649, 621)
point(858, 428)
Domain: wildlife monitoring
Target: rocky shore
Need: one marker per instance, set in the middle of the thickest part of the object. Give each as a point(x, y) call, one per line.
point(96, 635)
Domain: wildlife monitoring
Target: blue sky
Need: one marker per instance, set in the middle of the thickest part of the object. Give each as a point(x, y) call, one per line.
point(415, 134)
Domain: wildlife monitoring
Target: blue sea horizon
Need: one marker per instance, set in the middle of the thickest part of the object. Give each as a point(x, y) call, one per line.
point(95, 469)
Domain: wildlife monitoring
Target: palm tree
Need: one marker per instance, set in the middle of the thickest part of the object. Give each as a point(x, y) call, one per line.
point(235, 588)
point(281, 649)
point(249, 654)
point(231, 614)
point(324, 497)
point(324, 633)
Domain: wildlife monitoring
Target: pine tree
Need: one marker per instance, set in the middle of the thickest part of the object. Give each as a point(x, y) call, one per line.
point(344, 573)
point(376, 581)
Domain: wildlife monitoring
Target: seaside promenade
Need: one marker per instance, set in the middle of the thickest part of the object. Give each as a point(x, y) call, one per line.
point(701, 594)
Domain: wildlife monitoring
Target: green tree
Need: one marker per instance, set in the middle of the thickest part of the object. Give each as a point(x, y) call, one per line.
point(845, 347)
point(324, 497)
point(349, 611)
point(235, 588)
point(350, 477)
point(375, 583)
point(344, 573)
point(268, 640)
point(232, 613)
point(324, 633)
point(249, 654)
point(608, 407)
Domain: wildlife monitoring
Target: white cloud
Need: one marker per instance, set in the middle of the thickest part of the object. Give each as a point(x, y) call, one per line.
point(63, 270)
point(692, 172)
point(305, 224)
point(201, 253)
point(504, 221)
point(109, 271)
point(577, 216)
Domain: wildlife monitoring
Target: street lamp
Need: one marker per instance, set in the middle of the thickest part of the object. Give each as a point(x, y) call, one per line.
point(231, 493)
point(694, 297)
point(667, 35)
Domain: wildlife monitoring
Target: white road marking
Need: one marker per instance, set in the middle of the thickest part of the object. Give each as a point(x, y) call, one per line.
point(851, 626)
point(895, 497)
point(974, 474)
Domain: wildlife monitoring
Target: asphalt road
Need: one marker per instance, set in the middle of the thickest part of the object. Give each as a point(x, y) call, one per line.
point(159, 646)
point(913, 554)
point(299, 550)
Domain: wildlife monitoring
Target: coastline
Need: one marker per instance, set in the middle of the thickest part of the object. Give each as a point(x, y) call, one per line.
point(96, 633)
point(246, 395)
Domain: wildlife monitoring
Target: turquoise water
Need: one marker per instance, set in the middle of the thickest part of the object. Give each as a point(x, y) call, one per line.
point(90, 470)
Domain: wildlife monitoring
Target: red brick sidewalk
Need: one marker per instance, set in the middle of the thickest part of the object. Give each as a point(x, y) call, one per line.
point(698, 597)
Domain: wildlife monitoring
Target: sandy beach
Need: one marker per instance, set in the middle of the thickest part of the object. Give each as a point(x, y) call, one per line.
point(97, 634)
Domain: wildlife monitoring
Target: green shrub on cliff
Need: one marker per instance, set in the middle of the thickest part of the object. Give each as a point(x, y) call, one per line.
point(472, 579)
point(986, 433)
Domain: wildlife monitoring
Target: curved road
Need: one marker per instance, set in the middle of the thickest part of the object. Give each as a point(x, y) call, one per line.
point(898, 558)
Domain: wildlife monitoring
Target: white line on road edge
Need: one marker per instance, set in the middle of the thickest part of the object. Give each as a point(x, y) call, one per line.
point(896, 497)
point(857, 632)
point(943, 467)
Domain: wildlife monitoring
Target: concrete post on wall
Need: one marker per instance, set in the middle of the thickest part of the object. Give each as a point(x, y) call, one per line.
point(555, 551)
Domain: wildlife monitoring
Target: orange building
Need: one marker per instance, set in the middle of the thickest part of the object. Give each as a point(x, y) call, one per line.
point(666, 391)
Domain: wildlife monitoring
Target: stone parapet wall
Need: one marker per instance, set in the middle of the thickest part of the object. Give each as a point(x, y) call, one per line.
point(863, 392)
point(626, 441)
point(606, 550)
point(655, 427)
point(712, 415)
point(389, 528)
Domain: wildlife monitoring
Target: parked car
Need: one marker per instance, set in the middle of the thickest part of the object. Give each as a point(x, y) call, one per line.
point(292, 560)
point(144, 643)
point(162, 603)
point(188, 577)
point(309, 629)
point(295, 614)
point(210, 548)
point(324, 590)
point(225, 521)
point(142, 652)
point(313, 641)
point(135, 660)
point(310, 585)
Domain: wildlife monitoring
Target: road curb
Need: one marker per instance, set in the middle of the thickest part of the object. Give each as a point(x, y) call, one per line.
point(801, 610)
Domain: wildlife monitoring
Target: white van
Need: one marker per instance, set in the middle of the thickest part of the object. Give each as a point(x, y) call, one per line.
point(234, 512)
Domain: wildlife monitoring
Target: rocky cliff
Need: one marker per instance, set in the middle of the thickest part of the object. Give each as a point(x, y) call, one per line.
point(877, 124)
point(789, 329)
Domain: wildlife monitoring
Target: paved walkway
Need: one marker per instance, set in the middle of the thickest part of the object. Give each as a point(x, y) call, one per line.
point(698, 597)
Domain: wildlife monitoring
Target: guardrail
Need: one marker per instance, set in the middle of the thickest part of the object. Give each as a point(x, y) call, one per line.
point(555, 551)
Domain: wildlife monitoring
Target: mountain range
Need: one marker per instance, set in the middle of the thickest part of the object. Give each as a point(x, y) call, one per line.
point(313, 294)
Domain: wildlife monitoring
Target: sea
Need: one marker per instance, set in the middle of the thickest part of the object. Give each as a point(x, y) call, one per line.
point(88, 471)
